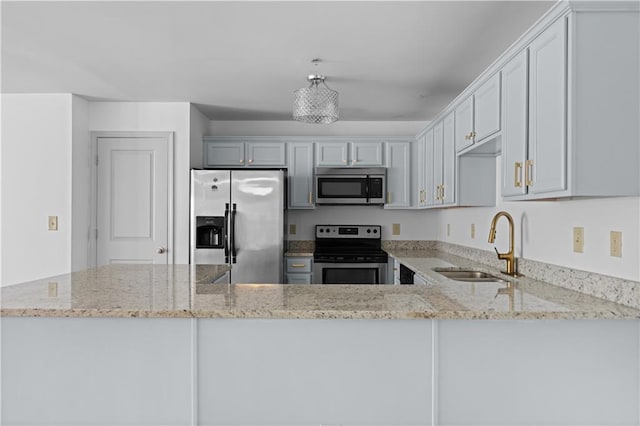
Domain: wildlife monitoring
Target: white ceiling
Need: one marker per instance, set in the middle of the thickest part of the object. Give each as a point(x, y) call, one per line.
point(239, 60)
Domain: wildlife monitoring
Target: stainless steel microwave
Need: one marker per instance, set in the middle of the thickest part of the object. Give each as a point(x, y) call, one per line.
point(350, 185)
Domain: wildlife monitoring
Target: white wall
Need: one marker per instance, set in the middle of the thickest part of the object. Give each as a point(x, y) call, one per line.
point(414, 224)
point(81, 183)
point(36, 183)
point(544, 231)
point(156, 116)
point(294, 128)
point(199, 127)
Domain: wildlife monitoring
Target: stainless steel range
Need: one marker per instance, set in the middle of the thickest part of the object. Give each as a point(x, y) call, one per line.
point(349, 254)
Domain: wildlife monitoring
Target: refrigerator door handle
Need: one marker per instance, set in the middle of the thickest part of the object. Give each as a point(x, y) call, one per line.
point(226, 233)
point(233, 233)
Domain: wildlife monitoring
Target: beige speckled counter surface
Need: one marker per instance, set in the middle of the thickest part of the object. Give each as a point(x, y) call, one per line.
point(179, 291)
point(290, 253)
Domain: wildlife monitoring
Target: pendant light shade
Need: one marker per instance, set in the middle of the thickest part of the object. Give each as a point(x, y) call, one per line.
point(316, 104)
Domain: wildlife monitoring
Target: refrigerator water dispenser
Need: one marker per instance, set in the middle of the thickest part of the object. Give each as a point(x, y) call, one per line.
point(209, 232)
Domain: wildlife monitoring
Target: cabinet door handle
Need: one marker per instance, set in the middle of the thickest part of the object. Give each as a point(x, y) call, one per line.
point(442, 189)
point(353, 161)
point(388, 197)
point(297, 265)
point(250, 161)
point(310, 198)
point(241, 160)
point(517, 172)
point(344, 161)
point(528, 173)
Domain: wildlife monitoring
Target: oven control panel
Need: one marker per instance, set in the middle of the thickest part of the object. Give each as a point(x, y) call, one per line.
point(349, 231)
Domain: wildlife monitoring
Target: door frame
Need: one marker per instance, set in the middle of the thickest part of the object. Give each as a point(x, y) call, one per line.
point(92, 255)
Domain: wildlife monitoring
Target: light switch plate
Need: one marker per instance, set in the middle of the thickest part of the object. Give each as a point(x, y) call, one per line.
point(473, 230)
point(396, 229)
point(292, 229)
point(616, 244)
point(578, 239)
point(53, 223)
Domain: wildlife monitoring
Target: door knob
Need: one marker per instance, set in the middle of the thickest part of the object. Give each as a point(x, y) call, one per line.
point(160, 250)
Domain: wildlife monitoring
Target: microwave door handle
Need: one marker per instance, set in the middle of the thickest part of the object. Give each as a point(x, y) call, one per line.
point(226, 233)
point(233, 233)
point(366, 188)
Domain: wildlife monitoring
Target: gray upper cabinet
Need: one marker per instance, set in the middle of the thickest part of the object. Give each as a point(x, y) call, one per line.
point(419, 172)
point(448, 161)
point(464, 124)
point(345, 154)
point(265, 154)
point(366, 153)
point(478, 116)
point(334, 154)
point(300, 175)
point(224, 154)
point(436, 164)
point(429, 182)
point(545, 168)
point(487, 109)
point(441, 162)
point(514, 122)
point(570, 107)
point(220, 152)
point(398, 175)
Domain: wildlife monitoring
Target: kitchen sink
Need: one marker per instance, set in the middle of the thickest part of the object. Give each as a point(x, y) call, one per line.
point(468, 275)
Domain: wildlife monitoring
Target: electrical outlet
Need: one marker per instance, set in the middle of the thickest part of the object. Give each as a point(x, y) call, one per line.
point(292, 229)
point(448, 229)
point(53, 289)
point(473, 230)
point(616, 244)
point(396, 229)
point(578, 239)
point(53, 223)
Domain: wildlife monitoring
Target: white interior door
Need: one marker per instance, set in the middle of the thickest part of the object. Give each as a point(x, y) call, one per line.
point(132, 200)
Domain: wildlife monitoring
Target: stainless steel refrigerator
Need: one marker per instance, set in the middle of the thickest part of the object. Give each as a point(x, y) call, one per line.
point(237, 217)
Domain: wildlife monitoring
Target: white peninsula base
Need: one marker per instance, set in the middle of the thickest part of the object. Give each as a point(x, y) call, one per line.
point(187, 371)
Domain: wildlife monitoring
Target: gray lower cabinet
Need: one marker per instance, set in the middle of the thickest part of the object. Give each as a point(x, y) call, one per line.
point(299, 269)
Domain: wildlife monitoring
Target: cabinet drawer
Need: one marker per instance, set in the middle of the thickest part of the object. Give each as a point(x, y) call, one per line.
point(298, 278)
point(299, 264)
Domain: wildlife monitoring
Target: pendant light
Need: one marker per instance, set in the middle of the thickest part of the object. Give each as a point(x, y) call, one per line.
point(316, 104)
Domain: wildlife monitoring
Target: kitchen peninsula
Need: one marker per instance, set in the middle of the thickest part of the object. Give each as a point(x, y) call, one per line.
point(143, 344)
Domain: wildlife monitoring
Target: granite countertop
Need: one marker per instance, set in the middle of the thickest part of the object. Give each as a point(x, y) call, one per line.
point(298, 253)
point(187, 291)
